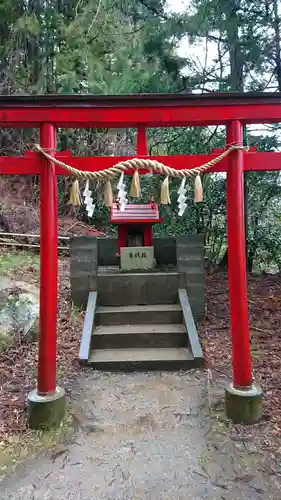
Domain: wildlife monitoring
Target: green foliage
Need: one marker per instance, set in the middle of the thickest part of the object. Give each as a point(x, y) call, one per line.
point(87, 46)
point(115, 47)
point(244, 35)
point(10, 260)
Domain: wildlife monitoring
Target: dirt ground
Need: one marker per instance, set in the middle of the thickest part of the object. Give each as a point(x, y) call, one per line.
point(264, 297)
point(158, 436)
point(144, 436)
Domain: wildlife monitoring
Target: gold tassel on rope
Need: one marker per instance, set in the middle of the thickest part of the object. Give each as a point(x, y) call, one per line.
point(165, 194)
point(198, 190)
point(108, 194)
point(75, 196)
point(135, 191)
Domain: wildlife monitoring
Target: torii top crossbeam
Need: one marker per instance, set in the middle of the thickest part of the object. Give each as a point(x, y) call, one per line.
point(151, 110)
point(50, 112)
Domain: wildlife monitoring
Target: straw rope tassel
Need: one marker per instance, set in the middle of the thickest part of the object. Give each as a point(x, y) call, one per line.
point(135, 190)
point(198, 190)
point(108, 194)
point(165, 194)
point(75, 196)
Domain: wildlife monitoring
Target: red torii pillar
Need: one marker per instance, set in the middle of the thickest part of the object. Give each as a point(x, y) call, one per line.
point(243, 398)
point(46, 403)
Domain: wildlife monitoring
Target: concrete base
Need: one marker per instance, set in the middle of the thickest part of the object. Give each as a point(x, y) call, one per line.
point(243, 406)
point(46, 412)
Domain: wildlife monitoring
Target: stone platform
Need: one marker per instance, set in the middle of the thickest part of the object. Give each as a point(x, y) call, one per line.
point(142, 319)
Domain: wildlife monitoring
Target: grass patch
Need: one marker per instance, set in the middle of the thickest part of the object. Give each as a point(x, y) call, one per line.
point(61, 372)
point(17, 448)
point(9, 261)
point(5, 342)
point(74, 314)
point(18, 266)
point(202, 461)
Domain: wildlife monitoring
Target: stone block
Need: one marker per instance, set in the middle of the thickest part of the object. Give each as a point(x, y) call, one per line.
point(133, 258)
point(137, 288)
point(46, 412)
point(83, 268)
point(190, 264)
point(243, 406)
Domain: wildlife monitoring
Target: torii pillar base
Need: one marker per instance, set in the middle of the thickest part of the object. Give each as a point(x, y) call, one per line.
point(46, 412)
point(244, 406)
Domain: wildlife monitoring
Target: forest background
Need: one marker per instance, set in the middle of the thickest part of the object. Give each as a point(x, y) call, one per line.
point(133, 46)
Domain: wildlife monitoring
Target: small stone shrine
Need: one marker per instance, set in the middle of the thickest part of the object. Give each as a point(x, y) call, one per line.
point(135, 247)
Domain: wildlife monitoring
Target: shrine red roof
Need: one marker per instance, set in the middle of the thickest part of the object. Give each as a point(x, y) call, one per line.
point(134, 214)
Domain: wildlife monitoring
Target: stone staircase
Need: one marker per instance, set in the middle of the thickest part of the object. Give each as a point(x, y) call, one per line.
point(139, 320)
point(143, 334)
point(140, 337)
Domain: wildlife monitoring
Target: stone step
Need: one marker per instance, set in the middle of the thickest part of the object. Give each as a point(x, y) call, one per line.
point(138, 288)
point(142, 359)
point(137, 315)
point(116, 336)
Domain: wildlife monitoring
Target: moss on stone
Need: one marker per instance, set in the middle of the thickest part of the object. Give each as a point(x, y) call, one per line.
point(46, 412)
point(243, 407)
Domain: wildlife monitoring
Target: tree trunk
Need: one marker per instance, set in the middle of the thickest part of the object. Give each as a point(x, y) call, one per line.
point(222, 266)
point(236, 58)
point(246, 198)
point(33, 56)
point(251, 256)
point(276, 24)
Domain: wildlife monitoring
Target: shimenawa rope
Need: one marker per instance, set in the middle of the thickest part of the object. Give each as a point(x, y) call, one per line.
point(137, 163)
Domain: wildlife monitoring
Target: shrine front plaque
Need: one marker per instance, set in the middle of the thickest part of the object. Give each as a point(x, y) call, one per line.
point(136, 258)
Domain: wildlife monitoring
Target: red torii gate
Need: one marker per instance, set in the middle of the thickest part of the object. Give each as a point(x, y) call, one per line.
point(144, 111)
